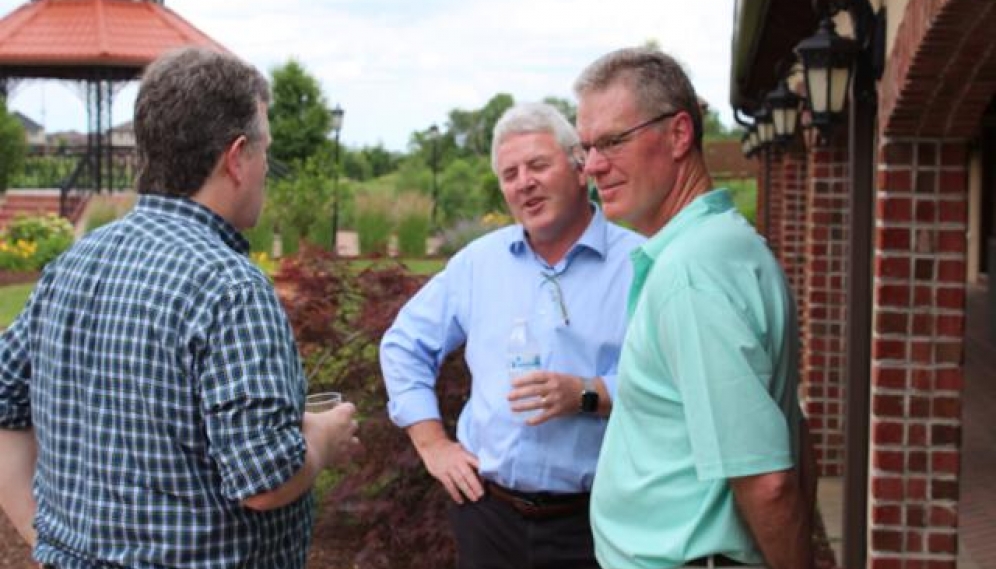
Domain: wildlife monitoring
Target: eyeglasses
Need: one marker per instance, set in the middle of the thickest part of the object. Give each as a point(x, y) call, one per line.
point(610, 144)
point(557, 295)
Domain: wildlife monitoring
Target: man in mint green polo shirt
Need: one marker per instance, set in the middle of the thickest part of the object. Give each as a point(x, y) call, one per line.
point(702, 464)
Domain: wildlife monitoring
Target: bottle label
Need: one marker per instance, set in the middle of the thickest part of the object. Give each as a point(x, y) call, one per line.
point(521, 364)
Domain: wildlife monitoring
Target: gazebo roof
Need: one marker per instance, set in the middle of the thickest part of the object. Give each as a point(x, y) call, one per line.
point(78, 39)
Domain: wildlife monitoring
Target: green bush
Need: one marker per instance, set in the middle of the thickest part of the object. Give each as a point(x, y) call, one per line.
point(29, 243)
point(373, 222)
point(744, 193)
point(413, 211)
point(261, 237)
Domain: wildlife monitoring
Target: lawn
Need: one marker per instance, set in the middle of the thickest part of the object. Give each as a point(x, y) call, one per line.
point(12, 299)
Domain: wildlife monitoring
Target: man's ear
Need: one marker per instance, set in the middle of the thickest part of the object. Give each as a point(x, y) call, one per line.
point(682, 134)
point(232, 158)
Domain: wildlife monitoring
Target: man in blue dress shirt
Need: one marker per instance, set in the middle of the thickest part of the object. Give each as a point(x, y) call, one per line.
point(519, 480)
point(153, 369)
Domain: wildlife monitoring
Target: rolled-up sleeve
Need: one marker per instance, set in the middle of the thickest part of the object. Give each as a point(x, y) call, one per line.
point(411, 352)
point(15, 375)
point(252, 386)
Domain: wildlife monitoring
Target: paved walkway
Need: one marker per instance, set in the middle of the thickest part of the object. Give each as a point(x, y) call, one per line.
point(977, 507)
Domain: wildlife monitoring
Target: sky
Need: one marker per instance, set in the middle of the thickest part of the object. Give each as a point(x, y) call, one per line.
point(398, 66)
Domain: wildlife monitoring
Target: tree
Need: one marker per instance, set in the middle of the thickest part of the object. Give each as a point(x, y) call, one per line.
point(714, 129)
point(566, 108)
point(13, 146)
point(300, 120)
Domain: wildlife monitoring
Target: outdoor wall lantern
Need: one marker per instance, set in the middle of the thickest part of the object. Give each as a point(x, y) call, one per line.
point(765, 128)
point(745, 145)
point(337, 114)
point(826, 59)
point(784, 105)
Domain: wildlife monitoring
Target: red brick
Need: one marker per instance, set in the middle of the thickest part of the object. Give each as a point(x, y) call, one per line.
point(893, 239)
point(886, 540)
point(893, 267)
point(888, 349)
point(926, 210)
point(950, 380)
point(951, 297)
point(945, 462)
point(926, 182)
point(943, 543)
point(952, 241)
point(876, 562)
point(943, 516)
point(895, 209)
point(916, 461)
point(889, 378)
point(916, 489)
point(916, 435)
point(887, 514)
point(945, 435)
point(950, 325)
point(919, 407)
point(941, 489)
point(951, 271)
point(895, 296)
point(948, 352)
point(954, 181)
point(887, 433)
point(891, 322)
point(889, 406)
point(951, 211)
point(895, 181)
point(947, 408)
point(897, 153)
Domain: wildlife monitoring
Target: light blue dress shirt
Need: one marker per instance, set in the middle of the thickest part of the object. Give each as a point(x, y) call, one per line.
point(475, 300)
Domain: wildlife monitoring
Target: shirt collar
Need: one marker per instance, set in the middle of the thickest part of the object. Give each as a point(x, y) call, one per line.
point(594, 237)
point(187, 209)
point(709, 203)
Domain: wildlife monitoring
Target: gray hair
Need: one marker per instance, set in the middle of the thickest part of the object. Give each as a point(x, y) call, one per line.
point(526, 118)
point(658, 82)
point(192, 103)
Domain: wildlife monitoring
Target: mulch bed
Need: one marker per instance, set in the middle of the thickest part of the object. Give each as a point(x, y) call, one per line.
point(17, 277)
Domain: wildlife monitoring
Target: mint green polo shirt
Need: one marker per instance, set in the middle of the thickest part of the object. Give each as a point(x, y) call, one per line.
point(706, 392)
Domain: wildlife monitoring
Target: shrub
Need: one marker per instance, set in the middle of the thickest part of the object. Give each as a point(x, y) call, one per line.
point(373, 222)
point(393, 511)
point(29, 243)
point(413, 211)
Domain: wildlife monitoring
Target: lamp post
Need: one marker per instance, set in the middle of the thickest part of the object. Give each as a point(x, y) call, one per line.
point(337, 114)
point(434, 137)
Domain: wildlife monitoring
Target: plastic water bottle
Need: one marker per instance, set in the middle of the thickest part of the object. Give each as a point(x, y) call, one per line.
point(523, 357)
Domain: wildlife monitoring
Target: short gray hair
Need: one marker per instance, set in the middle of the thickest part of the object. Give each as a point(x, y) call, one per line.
point(526, 118)
point(192, 103)
point(658, 82)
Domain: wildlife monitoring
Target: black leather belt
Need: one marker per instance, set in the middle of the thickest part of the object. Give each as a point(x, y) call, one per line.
point(717, 561)
point(540, 505)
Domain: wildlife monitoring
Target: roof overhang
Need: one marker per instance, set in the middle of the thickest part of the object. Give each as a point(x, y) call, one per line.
point(765, 33)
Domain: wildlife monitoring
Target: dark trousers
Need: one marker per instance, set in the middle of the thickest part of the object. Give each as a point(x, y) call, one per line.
point(490, 534)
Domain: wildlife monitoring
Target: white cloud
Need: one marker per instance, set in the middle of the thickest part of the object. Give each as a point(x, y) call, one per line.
point(397, 66)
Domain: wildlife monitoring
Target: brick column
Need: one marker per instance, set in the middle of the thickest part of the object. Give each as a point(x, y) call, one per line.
point(771, 165)
point(792, 217)
point(917, 353)
point(823, 328)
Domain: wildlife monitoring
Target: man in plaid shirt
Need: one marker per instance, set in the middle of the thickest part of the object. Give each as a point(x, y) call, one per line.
point(153, 372)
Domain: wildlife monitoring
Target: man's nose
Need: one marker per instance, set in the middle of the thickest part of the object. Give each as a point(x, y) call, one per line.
point(595, 162)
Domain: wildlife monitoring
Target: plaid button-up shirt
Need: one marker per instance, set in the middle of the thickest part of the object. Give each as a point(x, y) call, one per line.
point(163, 383)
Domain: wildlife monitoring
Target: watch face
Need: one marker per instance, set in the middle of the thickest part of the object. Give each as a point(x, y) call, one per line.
point(589, 401)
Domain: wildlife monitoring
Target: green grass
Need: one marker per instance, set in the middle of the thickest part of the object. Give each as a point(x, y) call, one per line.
point(12, 299)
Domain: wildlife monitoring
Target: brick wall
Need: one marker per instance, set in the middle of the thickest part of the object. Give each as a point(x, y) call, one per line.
point(823, 296)
point(917, 353)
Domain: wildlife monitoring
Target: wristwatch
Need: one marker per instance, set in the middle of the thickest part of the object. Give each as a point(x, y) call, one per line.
point(589, 396)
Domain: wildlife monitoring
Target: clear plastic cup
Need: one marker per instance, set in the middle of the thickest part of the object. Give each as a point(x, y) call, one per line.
point(323, 401)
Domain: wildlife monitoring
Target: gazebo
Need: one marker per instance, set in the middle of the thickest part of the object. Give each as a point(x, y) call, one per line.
point(99, 43)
